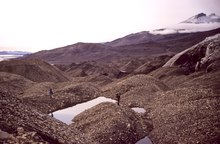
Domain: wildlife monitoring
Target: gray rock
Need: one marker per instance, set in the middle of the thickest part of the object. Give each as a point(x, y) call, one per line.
point(4, 135)
point(20, 130)
point(199, 56)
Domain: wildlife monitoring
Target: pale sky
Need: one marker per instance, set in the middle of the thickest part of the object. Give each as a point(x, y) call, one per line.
point(33, 25)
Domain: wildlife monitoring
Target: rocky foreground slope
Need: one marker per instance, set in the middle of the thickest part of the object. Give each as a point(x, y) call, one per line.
point(14, 113)
point(185, 115)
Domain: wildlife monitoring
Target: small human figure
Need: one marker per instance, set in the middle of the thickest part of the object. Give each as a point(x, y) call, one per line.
point(197, 67)
point(118, 98)
point(51, 114)
point(51, 93)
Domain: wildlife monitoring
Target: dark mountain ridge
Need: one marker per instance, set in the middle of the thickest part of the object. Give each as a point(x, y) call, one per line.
point(149, 45)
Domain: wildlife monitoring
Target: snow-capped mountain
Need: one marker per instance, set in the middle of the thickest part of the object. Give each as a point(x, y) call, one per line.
point(203, 18)
point(198, 23)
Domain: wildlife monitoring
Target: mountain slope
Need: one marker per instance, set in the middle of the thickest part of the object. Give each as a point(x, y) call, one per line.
point(163, 41)
point(78, 52)
point(148, 46)
point(35, 70)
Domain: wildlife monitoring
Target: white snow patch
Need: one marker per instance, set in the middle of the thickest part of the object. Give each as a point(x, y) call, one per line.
point(6, 57)
point(195, 27)
point(66, 115)
point(122, 71)
point(139, 110)
point(165, 31)
point(145, 140)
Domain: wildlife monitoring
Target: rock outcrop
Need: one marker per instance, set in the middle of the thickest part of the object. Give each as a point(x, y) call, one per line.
point(109, 123)
point(198, 57)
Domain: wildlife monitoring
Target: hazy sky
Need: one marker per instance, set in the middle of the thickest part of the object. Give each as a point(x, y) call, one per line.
point(33, 25)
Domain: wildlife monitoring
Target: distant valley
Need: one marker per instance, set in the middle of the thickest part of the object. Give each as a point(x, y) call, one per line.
point(4, 55)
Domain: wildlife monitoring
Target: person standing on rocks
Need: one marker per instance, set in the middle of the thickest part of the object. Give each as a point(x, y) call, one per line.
point(51, 93)
point(118, 98)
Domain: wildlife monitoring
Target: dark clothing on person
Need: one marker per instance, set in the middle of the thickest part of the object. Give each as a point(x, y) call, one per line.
point(118, 98)
point(50, 93)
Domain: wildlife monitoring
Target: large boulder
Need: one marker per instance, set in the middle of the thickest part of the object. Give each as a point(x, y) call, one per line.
point(109, 123)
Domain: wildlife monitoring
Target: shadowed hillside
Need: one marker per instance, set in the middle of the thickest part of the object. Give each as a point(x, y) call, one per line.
point(35, 70)
point(13, 83)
